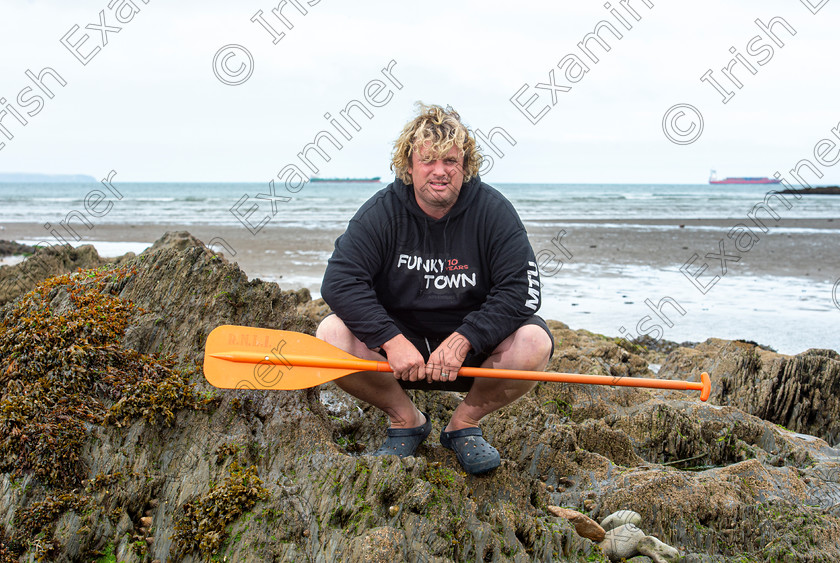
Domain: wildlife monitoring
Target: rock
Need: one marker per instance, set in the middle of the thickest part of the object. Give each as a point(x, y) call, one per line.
point(703, 558)
point(146, 521)
point(792, 391)
point(658, 551)
point(12, 248)
point(621, 542)
point(176, 240)
point(620, 518)
point(597, 436)
point(593, 354)
point(585, 526)
point(315, 310)
point(640, 559)
point(756, 491)
point(45, 263)
point(379, 545)
point(819, 190)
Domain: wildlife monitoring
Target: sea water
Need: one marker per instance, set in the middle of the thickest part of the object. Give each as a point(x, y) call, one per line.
point(330, 205)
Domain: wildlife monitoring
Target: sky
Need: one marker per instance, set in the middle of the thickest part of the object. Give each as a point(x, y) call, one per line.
point(198, 92)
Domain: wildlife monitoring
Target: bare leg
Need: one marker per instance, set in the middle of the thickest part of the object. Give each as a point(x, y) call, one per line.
point(377, 388)
point(527, 349)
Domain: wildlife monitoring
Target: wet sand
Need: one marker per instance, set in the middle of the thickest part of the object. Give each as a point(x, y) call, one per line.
point(801, 248)
point(781, 292)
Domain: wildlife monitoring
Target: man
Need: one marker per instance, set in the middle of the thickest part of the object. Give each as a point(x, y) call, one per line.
point(435, 272)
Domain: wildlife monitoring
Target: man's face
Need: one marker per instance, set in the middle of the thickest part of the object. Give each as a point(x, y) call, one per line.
point(437, 183)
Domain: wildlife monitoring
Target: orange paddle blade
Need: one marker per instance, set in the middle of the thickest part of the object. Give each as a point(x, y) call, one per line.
point(240, 357)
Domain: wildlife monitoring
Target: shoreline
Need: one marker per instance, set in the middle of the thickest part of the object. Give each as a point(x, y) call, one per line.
point(793, 247)
point(597, 275)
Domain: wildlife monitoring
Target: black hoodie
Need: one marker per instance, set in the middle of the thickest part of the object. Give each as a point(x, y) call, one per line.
point(396, 269)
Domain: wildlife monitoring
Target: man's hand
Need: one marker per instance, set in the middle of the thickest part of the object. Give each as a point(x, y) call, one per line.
point(405, 360)
point(445, 362)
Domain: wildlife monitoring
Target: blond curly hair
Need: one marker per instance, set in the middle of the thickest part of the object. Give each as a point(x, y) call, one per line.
point(438, 129)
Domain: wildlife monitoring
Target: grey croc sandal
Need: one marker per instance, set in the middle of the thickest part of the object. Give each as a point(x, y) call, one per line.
point(405, 441)
point(473, 452)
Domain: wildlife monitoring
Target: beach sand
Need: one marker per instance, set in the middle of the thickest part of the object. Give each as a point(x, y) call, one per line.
point(779, 293)
point(801, 248)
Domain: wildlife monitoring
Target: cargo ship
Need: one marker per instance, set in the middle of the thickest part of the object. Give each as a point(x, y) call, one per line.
point(713, 180)
point(345, 180)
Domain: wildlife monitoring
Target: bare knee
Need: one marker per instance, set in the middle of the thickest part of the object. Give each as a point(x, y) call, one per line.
point(536, 344)
point(528, 348)
point(332, 330)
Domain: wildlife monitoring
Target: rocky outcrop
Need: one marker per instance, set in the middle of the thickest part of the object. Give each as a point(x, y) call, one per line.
point(277, 476)
point(46, 262)
point(820, 190)
point(801, 393)
point(176, 240)
point(12, 248)
point(581, 351)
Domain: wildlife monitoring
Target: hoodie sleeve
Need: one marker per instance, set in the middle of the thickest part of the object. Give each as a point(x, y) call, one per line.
point(348, 286)
point(515, 285)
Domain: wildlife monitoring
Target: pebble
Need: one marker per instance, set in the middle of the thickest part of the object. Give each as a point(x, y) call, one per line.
point(585, 526)
point(588, 504)
point(657, 550)
point(621, 542)
point(393, 509)
point(620, 518)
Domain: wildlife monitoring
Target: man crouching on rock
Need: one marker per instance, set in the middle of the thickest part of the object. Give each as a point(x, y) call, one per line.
point(435, 272)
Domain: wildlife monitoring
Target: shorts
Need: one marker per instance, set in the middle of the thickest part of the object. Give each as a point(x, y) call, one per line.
point(428, 345)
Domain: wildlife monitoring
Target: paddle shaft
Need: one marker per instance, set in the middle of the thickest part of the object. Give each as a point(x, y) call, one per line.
point(291, 360)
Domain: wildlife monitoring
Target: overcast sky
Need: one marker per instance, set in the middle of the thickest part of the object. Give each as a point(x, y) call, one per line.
point(149, 104)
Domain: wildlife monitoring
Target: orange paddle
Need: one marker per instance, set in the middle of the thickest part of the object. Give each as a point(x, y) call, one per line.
point(241, 357)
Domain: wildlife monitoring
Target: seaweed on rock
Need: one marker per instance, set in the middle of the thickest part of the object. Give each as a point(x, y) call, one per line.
point(63, 372)
point(62, 368)
point(203, 524)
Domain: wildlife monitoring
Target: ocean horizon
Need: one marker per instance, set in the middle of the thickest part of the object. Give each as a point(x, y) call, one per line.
point(325, 203)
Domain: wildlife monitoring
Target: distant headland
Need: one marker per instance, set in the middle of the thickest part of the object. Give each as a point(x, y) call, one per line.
point(9, 177)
